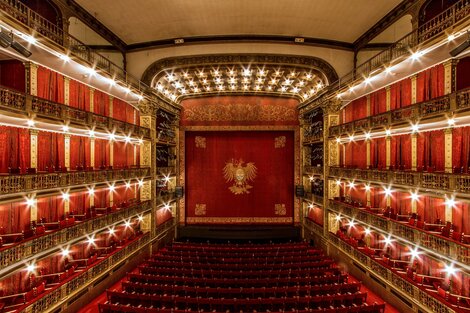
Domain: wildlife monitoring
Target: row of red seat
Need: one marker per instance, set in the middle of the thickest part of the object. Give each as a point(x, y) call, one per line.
point(225, 259)
point(233, 304)
point(244, 255)
point(236, 282)
point(263, 292)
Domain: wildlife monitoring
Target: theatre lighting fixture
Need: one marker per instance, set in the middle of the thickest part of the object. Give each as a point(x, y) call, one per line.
point(414, 253)
point(450, 269)
point(6, 40)
point(367, 231)
point(462, 47)
point(31, 267)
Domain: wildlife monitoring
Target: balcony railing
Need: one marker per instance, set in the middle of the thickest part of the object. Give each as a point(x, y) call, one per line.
point(315, 170)
point(418, 111)
point(20, 12)
point(22, 103)
point(439, 244)
point(314, 227)
point(21, 251)
point(407, 287)
point(10, 184)
point(52, 298)
point(446, 182)
point(452, 17)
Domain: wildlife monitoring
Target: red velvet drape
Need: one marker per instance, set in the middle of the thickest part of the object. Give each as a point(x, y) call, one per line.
point(123, 111)
point(101, 103)
point(356, 154)
point(401, 151)
point(463, 68)
point(50, 85)
point(431, 150)
point(430, 83)
point(378, 102)
point(79, 202)
point(101, 198)
point(461, 149)
point(123, 154)
point(377, 198)
point(14, 148)
point(315, 214)
point(461, 217)
point(431, 209)
point(355, 110)
point(273, 186)
point(14, 217)
point(80, 156)
point(377, 153)
point(13, 74)
point(79, 95)
point(400, 94)
point(101, 153)
point(162, 215)
point(51, 150)
point(51, 208)
point(401, 202)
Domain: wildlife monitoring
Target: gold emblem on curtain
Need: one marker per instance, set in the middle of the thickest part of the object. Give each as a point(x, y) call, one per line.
point(240, 175)
point(200, 142)
point(280, 142)
point(280, 209)
point(200, 209)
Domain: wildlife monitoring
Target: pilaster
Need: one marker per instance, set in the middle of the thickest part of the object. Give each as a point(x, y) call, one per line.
point(368, 153)
point(34, 148)
point(33, 209)
point(110, 106)
point(66, 90)
point(31, 78)
point(388, 153)
point(92, 100)
point(368, 105)
point(450, 71)
point(448, 150)
point(414, 89)
point(414, 152)
point(388, 98)
point(67, 150)
point(92, 152)
point(111, 153)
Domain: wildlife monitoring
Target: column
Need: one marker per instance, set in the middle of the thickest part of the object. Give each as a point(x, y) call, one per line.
point(414, 206)
point(91, 198)
point(450, 69)
point(31, 78)
point(368, 198)
point(33, 208)
point(368, 105)
point(448, 212)
point(34, 148)
point(388, 98)
point(111, 197)
point(110, 106)
point(413, 89)
point(92, 152)
point(134, 161)
point(368, 153)
point(92, 100)
point(66, 90)
point(66, 200)
point(448, 150)
point(414, 151)
point(111, 153)
point(388, 151)
point(67, 150)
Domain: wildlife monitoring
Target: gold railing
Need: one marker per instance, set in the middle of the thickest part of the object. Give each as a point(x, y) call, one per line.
point(316, 170)
point(28, 105)
point(23, 14)
point(33, 182)
point(418, 111)
point(166, 171)
point(452, 17)
point(446, 182)
point(314, 227)
point(406, 287)
point(53, 298)
point(18, 252)
point(440, 245)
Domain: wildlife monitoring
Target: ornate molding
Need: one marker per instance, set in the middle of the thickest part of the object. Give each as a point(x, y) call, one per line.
point(238, 220)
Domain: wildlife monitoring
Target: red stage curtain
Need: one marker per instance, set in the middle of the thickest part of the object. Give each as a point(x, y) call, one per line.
point(273, 186)
point(101, 103)
point(50, 85)
point(51, 208)
point(79, 95)
point(355, 110)
point(377, 198)
point(431, 150)
point(14, 148)
point(430, 83)
point(461, 148)
point(377, 153)
point(51, 150)
point(13, 74)
point(401, 202)
point(79, 202)
point(378, 102)
point(463, 68)
point(101, 198)
point(163, 215)
point(400, 94)
point(401, 151)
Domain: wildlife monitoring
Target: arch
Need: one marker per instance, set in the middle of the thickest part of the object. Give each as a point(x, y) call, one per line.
point(432, 8)
point(47, 9)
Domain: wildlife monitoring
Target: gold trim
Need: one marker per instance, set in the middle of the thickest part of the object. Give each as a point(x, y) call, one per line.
point(200, 209)
point(280, 142)
point(280, 209)
point(232, 220)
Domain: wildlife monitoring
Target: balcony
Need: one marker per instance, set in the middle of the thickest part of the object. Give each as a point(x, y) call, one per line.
point(415, 293)
point(442, 182)
point(11, 255)
point(439, 244)
point(11, 184)
point(17, 11)
point(313, 170)
point(84, 279)
point(435, 108)
point(314, 227)
point(27, 105)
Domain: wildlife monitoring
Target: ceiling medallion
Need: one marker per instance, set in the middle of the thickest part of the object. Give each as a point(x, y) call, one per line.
point(176, 80)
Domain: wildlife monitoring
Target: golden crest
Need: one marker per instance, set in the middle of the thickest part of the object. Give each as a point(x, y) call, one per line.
point(235, 171)
point(200, 209)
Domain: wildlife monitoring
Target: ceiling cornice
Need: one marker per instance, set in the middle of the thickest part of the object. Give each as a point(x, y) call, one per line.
point(391, 17)
point(92, 22)
point(242, 38)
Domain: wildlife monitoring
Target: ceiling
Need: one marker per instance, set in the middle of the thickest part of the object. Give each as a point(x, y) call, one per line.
point(140, 21)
